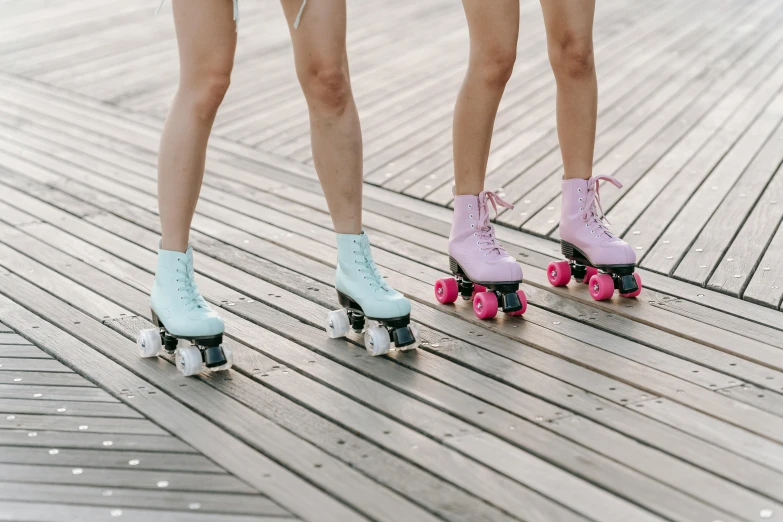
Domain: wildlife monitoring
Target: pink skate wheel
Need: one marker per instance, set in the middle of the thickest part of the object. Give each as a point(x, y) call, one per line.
point(559, 273)
point(477, 289)
point(601, 287)
point(590, 271)
point(485, 304)
point(638, 283)
point(446, 290)
point(523, 300)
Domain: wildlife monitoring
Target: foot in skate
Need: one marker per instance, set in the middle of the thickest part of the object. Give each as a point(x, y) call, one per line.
point(366, 297)
point(593, 254)
point(185, 323)
point(483, 271)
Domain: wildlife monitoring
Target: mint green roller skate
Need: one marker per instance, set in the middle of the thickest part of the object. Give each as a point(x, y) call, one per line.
point(181, 314)
point(364, 295)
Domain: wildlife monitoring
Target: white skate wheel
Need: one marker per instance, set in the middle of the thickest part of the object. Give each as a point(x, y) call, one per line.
point(376, 340)
point(229, 360)
point(189, 360)
point(416, 335)
point(337, 324)
point(149, 343)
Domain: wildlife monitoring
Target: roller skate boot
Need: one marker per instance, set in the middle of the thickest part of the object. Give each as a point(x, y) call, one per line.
point(593, 254)
point(181, 314)
point(364, 295)
point(483, 271)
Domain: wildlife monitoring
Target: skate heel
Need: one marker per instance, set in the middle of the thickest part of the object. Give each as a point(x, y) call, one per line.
point(378, 339)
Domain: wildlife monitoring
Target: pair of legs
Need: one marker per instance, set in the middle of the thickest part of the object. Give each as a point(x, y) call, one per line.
point(207, 38)
point(494, 31)
point(476, 254)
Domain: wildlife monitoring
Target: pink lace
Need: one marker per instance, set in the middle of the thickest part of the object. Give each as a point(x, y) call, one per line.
point(486, 231)
point(593, 199)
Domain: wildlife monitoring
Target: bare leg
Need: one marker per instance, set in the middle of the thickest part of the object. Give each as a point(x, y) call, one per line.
point(336, 135)
point(569, 28)
point(206, 35)
point(494, 30)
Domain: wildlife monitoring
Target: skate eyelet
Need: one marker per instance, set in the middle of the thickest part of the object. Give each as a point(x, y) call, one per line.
point(470, 205)
point(580, 200)
point(579, 190)
point(471, 215)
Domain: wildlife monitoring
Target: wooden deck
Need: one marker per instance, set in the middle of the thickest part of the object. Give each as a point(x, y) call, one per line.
point(668, 407)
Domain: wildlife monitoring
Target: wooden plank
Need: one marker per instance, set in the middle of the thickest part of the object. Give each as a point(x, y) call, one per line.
point(765, 286)
point(78, 423)
point(112, 458)
point(127, 477)
point(10, 377)
point(56, 393)
point(201, 502)
point(87, 440)
point(49, 512)
point(43, 404)
point(9, 338)
point(32, 365)
point(23, 351)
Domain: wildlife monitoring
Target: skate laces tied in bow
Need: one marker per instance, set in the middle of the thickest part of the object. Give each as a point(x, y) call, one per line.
point(368, 265)
point(192, 296)
point(486, 231)
point(592, 200)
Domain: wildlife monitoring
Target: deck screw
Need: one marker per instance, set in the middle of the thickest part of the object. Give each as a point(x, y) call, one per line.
point(116, 513)
point(11, 417)
point(54, 451)
point(108, 443)
point(639, 248)
point(134, 462)
point(636, 232)
point(699, 250)
point(666, 242)
point(77, 471)
point(766, 513)
point(194, 505)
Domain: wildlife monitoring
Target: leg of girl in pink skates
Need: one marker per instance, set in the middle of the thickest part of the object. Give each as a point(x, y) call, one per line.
point(585, 239)
point(483, 270)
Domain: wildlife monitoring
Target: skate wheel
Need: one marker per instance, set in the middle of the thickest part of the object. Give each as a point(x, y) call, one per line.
point(485, 305)
point(446, 290)
point(337, 324)
point(477, 289)
point(590, 271)
point(601, 287)
point(638, 283)
point(229, 355)
point(149, 343)
point(376, 340)
point(416, 335)
point(559, 273)
point(523, 300)
point(189, 360)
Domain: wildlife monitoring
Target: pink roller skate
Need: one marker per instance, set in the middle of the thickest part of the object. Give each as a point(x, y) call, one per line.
point(483, 271)
point(594, 255)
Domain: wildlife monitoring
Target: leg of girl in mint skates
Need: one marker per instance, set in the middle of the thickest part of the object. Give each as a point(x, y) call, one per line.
point(594, 255)
point(206, 37)
point(483, 270)
point(322, 68)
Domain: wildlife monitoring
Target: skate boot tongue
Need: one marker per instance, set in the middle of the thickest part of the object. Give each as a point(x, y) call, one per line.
point(187, 282)
point(486, 230)
point(595, 219)
point(369, 269)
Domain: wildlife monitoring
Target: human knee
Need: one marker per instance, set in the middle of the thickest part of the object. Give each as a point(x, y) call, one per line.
point(327, 85)
point(207, 92)
point(571, 55)
point(495, 64)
